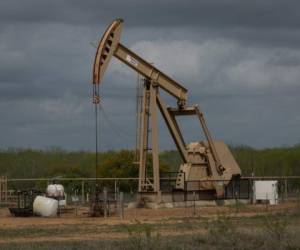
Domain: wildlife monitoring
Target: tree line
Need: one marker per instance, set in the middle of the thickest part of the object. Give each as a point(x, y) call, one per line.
point(56, 162)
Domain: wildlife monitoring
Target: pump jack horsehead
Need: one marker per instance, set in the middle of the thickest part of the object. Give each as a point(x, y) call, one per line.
point(207, 166)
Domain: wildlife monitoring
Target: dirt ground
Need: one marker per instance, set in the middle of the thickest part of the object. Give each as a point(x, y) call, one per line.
point(143, 214)
point(72, 227)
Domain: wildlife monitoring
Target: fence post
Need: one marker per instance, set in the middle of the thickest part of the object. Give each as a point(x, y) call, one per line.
point(194, 197)
point(0, 190)
point(185, 190)
point(236, 203)
point(115, 189)
point(285, 189)
point(281, 191)
point(121, 205)
point(6, 190)
point(105, 201)
point(82, 192)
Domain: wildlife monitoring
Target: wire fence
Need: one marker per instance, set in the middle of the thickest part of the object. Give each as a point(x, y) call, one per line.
point(79, 190)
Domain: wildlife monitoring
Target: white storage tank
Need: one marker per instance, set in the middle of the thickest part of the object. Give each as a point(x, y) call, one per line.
point(60, 190)
point(45, 207)
point(55, 190)
point(51, 190)
point(266, 191)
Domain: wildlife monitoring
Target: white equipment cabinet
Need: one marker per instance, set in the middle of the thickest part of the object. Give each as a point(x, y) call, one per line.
point(266, 191)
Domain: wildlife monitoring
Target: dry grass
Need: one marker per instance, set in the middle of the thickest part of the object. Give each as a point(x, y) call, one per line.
point(216, 228)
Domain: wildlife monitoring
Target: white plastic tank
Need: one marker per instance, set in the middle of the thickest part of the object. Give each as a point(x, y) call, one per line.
point(60, 190)
point(51, 190)
point(55, 190)
point(45, 207)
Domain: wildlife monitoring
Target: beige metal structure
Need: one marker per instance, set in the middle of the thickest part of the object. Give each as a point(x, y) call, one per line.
point(206, 161)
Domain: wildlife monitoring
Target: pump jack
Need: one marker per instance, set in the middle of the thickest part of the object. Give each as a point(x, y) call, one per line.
point(207, 165)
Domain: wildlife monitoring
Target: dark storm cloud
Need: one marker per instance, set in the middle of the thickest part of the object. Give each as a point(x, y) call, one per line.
point(241, 59)
point(266, 23)
point(226, 13)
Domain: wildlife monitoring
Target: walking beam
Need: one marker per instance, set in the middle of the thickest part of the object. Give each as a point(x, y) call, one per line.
point(109, 46)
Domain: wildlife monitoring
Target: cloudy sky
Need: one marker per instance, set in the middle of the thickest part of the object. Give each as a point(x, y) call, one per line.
point(240, 60)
